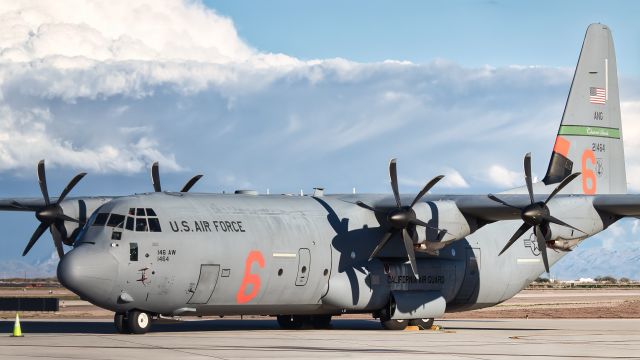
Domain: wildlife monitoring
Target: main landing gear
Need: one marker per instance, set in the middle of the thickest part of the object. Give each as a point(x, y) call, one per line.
point(296, 322)
point(132, 322)
point(391, 324)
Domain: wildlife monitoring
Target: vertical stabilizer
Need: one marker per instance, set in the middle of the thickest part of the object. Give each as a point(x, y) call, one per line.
point(590, 136)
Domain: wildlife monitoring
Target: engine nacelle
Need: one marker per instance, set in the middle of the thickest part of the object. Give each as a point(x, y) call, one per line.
point(563, 244)
point(441, 215)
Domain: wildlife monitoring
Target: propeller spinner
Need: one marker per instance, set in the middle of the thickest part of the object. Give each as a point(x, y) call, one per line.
point(537, 214)
point(402, 218)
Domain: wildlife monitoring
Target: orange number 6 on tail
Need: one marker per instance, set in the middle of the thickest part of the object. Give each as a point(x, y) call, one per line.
point(588, 176)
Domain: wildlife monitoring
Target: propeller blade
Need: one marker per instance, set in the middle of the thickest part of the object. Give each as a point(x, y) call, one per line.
point(190, 183)
point(521, 230)
point(564, 183)
point(67, 218)
point(82, 208)
point(42, 180)
point(70, 186)
point(426, 188)
point(527, 175)
point(422, 223)
point(555, 220)
point(408, 245)
point(368, 207)
point(494, 198)
point(155, 177)
point(36, 235)
point(542, 246)
point(57, 239)
point(19, 206)
point(381, 244)
point(393, 175)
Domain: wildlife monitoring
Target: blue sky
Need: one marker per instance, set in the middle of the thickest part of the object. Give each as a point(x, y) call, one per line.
point(473, 33)
point(288, 95)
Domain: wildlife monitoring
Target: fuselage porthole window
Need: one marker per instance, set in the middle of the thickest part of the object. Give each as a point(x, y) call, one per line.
point(154, 225)
point(141, 224)
point(116, 220)
point(101, 219)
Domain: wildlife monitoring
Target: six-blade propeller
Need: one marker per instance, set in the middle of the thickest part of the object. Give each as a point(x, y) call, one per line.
point(50, 215)
point(402, 218)
point(537, 214)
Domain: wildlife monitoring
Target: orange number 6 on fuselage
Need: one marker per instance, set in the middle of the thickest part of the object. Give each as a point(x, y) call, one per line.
point(250, 279)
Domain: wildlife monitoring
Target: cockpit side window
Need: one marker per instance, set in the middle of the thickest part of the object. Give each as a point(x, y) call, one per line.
point(150, 212)
point(154, 225)
point(140, 212)
point(116, 220)
point(101, 219)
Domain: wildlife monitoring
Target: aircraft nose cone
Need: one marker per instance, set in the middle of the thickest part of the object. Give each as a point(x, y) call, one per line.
point(89, 273)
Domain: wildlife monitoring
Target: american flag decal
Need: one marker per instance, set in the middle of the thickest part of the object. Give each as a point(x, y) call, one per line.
point(597, 95)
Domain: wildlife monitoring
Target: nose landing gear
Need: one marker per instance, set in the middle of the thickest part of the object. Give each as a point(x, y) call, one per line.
point(132, 322)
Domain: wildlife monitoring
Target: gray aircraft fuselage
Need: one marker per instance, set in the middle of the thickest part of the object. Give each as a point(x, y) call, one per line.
point(269, 255)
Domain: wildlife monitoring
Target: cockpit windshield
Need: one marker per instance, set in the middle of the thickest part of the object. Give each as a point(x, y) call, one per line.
point(138, 219)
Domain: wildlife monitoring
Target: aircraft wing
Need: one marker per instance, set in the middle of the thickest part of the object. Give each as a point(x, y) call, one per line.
point(22, 204)
point(38, 203)
point(481, 207)
point(618, 204)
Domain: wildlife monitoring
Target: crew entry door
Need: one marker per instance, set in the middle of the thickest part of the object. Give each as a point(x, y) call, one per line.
point(206, 284)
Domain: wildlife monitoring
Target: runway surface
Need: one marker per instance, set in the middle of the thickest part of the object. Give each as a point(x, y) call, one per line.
point(349, 338)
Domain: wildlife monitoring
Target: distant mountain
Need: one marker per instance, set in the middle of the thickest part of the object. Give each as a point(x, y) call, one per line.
point(623, 261)
point(39, 268)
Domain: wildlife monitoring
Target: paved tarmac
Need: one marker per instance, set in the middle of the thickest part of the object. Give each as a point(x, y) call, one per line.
point(349, 338)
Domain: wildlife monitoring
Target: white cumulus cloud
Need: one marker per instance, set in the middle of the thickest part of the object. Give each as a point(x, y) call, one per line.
point(503, 177)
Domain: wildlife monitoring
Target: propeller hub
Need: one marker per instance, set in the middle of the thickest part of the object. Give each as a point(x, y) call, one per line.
point(49, 214)
point(400, 218)
point(535, 213)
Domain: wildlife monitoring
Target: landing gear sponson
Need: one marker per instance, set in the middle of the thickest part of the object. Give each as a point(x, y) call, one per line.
point(139, 322)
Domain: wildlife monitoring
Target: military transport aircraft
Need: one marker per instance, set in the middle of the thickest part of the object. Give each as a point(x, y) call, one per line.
point(406, 259)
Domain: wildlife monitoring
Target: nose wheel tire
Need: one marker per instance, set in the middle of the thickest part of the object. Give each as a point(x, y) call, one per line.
point(120, 321)
point(139, 322)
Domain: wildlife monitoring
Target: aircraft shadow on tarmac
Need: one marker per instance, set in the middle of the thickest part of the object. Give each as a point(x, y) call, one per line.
point(107, 327)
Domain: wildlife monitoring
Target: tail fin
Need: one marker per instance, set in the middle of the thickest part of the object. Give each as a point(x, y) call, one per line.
point(590, 136)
